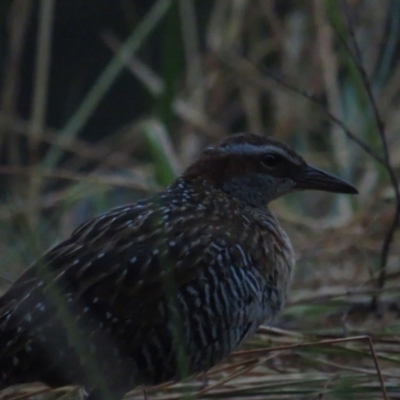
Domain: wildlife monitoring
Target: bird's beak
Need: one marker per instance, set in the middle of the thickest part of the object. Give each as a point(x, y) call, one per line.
point(313, 178)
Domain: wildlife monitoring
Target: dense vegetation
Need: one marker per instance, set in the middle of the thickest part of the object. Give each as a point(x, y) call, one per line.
point(103, 102)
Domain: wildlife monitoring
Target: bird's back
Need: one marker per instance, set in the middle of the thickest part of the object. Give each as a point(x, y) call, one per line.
point(146, 293)
point(163, 288)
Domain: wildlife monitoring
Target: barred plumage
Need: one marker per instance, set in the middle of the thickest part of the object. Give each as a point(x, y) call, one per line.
point(163, 288)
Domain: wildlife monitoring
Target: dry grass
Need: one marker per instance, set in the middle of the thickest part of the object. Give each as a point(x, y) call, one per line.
point(256, 53)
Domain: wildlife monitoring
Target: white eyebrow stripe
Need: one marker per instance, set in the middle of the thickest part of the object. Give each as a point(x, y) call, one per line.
point(251, 149)
point(243, 148)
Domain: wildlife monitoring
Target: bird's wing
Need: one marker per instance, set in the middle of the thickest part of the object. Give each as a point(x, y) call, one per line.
point(122, 262)
point(120, 267)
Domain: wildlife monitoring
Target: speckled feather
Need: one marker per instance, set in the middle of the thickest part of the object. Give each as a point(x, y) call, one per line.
point(157, 290)
point(229, 278)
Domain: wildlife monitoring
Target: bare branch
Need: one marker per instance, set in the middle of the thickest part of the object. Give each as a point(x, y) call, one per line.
point(356, 57)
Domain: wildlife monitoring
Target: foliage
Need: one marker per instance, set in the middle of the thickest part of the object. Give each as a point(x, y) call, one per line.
point(287, 69)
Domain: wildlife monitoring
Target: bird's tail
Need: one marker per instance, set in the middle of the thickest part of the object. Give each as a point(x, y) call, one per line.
point(9, 362)
point(4, 362)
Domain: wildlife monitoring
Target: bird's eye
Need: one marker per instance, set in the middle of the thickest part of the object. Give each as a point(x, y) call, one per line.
point(270, 161)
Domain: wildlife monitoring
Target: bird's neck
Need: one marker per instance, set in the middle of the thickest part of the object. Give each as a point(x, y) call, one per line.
point(244, 191)
point(219, 202)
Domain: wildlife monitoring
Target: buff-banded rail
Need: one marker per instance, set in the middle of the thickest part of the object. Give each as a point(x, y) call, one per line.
point(163, 288)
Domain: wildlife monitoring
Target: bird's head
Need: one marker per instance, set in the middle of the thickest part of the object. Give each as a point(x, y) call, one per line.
point(257, 169)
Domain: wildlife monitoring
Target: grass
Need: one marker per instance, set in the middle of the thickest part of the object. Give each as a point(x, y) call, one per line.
point(329, 342)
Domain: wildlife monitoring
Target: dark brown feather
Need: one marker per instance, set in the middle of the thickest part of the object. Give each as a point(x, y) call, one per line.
point(160, 289)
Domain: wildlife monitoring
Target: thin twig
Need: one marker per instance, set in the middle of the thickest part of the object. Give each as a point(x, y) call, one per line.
point(183, 108)
point(331, 116)
point(378, 369)
point(250, 365)
point(70, 176)
point(347, 293)
point(262, 352)
point(254, 77)
point(380, 125)
point(30, 394)
point(106, 79)
point(18, 24)
point(40, 100)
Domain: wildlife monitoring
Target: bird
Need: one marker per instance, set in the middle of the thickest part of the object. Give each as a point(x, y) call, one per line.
point(164, 288)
